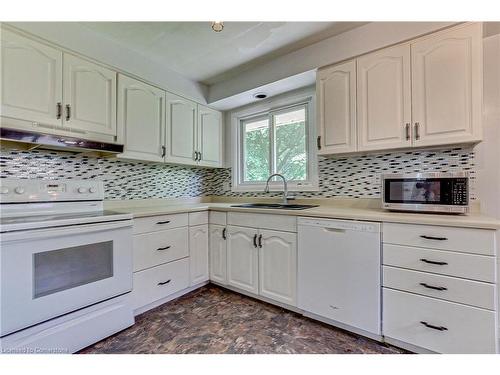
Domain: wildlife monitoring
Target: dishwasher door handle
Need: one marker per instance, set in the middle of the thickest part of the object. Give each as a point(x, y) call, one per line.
point(334, 230)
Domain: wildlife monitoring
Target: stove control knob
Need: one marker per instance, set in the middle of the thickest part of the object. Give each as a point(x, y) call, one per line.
point(19, 190)
point(92, 190)
point(4, 190)
point(82, 190)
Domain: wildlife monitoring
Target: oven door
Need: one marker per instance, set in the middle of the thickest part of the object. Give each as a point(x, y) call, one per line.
point(46, 273)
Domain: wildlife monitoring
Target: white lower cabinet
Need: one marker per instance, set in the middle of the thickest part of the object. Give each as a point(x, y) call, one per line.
point(217, 242)
point(159, 282)
point(198, 253)
point(439, 288)
point(278, 266)
point(242, 258)
point(438, 326)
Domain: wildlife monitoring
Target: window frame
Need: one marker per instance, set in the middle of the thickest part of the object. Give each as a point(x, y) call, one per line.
point(268, 110)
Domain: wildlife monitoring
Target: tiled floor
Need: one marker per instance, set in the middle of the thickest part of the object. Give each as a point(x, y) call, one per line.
point(214, 320)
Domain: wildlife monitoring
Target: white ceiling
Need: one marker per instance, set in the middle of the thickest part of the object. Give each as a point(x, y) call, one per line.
point(193, 50)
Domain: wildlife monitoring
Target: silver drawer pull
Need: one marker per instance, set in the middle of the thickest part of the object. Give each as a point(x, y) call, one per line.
point(164, 248)
point(438, 328)
point(433, 262)
point(164, 282)
point(163, 222)
point(434, 238)
point(433, 287)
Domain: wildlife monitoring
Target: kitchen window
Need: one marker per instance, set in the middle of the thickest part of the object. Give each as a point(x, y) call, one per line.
point(276, 141)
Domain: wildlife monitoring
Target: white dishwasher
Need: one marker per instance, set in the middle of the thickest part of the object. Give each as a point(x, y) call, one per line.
point(339, 272)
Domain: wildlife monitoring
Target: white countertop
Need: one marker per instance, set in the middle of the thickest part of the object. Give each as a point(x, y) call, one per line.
point(473, 220)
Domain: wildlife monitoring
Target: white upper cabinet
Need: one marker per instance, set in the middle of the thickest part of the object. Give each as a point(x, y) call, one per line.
point(89, 96)
point(209, 137)
point(181, 134)
point(384, 99)
point(31, 84)
point(278, 266)
point(426, 92)
point(141, 115)
point(447, 86)
point(336, 93)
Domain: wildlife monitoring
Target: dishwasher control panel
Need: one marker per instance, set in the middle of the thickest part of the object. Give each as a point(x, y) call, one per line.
point(359, 226)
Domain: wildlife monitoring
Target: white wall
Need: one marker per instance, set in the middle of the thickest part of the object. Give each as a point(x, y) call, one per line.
point(488, 151)
point(75, 37)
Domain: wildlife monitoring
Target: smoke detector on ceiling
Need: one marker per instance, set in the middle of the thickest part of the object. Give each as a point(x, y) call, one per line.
point(217, 26)
point(260, 95)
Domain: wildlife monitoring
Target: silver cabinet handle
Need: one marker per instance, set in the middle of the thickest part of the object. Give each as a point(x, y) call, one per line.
point(417, 131)
point(407, 129)
point(200, 155)
point(195, 157)
point(68, 112)
point(58, 110)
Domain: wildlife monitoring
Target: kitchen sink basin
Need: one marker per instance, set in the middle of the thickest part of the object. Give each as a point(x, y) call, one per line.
point(276, 206)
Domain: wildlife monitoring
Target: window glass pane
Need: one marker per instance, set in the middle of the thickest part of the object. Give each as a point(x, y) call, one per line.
point(67, 268)
point(256, 146)
point(290, 138)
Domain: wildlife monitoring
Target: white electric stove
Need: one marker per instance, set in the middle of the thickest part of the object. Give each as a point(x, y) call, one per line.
point(65, 266)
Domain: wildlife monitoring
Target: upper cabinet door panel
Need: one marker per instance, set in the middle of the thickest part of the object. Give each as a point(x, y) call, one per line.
point(141, 113)
point(31, 84)
point(447, 86)
point(384, 99)
point(210, 136)
point(181, 129)
point(336, 93)
point(90, 93)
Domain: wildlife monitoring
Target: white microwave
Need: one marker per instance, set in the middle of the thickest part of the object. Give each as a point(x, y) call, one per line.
point(426, 192)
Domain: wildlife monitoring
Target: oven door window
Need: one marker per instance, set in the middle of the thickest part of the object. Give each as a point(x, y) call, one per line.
point(61, 269)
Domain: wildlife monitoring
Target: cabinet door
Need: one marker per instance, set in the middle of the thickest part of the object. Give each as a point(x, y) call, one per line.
point(242, 258)
point(198, 253)
point(217, 244)
point(210, 136)
point(278, 266)
point(89, 96)
point(181, 130)
point(384, 99)
point(447, 87)
point(141, 114)
point(31, 84)
point(336, 93)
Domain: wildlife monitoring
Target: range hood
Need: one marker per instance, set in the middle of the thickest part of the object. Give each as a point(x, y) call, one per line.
point(58, 141)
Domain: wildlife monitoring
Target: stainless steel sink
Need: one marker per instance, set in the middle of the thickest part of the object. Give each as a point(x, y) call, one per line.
point(276, 206)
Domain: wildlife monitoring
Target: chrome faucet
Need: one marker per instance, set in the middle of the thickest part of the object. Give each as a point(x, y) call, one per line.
point(285, 187)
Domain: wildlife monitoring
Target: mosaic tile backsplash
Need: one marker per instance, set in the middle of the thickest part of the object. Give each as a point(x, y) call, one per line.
point(353, 176)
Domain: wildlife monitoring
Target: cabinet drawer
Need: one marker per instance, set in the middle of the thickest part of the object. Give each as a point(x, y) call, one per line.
point(474, 293)
point(457, 328)
point(198, 218)
point(159, 282)
point(469, 266)
point(476, 241)
point(215, 217)
point(152, 249)
point(263, 221)
point(162, 222)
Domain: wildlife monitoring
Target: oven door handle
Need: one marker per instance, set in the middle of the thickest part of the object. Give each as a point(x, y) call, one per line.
point(25, 235)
